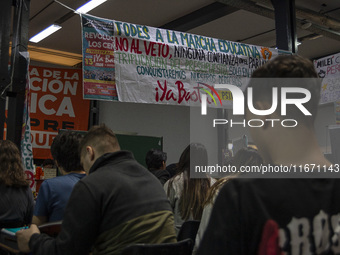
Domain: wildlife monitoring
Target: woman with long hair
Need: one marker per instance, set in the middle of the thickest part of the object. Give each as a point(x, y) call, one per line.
point(187, 195)
point(244, 157)
point(16, 201)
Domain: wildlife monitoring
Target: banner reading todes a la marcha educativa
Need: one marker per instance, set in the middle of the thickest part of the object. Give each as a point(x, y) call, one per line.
point(153, 65)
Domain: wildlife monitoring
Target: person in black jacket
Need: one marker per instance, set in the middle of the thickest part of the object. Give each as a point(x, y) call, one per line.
point(117, 204)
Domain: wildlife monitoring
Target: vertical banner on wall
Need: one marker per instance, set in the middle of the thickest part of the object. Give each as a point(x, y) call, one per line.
point(56, 103)
point(159, 66)
point(26, 142)
point(98, 60)
point(328, 69)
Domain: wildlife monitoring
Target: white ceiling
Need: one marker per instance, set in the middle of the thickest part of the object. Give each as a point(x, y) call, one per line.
point(239, 25)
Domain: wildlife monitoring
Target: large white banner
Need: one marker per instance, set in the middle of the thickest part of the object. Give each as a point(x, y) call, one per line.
point(159, 66)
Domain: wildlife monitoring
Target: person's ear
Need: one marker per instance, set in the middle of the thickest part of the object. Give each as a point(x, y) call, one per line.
point(163, 165)
point(91, 153)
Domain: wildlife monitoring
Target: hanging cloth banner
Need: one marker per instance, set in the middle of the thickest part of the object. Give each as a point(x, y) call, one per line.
point(26, 140)
point(328, 69)
point(158, 66)
point(56, 103)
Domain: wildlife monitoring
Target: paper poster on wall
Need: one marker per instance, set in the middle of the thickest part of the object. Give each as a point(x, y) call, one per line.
point(159, 66)
point(328, 69)
point(56, 103)
point(98, 60)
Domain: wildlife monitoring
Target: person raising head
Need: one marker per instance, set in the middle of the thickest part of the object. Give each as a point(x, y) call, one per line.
point(283, 72)
point(16, 201)
point(284, 212)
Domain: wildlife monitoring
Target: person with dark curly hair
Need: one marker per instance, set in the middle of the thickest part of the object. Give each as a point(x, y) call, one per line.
point(16, 201)
point(156, 162)
point(54, 193)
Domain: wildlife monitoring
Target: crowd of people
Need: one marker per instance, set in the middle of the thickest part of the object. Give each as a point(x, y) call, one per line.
point(107, 200)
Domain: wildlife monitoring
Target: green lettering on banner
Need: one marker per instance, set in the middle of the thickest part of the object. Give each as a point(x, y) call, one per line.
point(184, 39)
point(146, 31)
point(118, 27)
point(159, 36)
point(133, 30)
point(191, 42)
point(172, 38)
point(126, 29)
point(211, 44)
point(26, 148)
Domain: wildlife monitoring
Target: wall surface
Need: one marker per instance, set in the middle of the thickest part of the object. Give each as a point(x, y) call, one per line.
point(324, 118)
point(173, 124)
point(170, 122)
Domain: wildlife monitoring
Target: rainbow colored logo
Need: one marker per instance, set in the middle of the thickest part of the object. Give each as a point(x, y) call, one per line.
point(208, 92)
point(204, 97)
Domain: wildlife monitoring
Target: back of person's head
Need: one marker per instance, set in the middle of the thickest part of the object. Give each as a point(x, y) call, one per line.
point(195, 190)
point(195, 154)
point(155, 159)
point(288, 66)
point(172, 169)
point(48, 163)
point(101, 138)
point(247, 157)
point(11, 169)
point(64, 150)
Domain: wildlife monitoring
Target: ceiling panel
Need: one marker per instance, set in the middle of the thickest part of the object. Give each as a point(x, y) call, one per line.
point(238, 25)
point(148, 12)
point(320, 6)
point(319, 47)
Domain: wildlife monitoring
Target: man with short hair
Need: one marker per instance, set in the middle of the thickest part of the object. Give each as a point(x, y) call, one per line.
point(156, 162)
point(117, 204)
point(288, 213)
point(54, 193)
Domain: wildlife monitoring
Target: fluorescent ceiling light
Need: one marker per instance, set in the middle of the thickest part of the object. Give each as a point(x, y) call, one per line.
point(89, 6)
point(46, 32)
